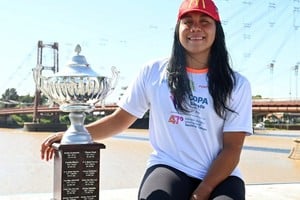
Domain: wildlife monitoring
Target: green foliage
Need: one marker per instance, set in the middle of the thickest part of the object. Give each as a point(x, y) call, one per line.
point(27, 99)
point(257, 97)
point(20, 119)
point(45, 120)
point(297, 120)
point(64, 119)
point(90, 118)
point(44, 100)
point(10, 94)
point(267, 122)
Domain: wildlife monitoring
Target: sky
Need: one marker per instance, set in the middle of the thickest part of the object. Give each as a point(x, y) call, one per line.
point(262, 38)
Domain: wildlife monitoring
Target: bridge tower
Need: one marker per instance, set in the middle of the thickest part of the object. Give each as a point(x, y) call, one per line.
point(40, 64)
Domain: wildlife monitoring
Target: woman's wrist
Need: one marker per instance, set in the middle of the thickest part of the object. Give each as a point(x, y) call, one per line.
point(205, 188)
point(203, 191)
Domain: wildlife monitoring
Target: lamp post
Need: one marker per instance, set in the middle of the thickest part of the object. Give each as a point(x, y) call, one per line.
point(271, 66)
point(296, 68)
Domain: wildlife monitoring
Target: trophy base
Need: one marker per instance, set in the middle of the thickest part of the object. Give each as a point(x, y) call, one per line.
point(77, 171)
point(77, 133)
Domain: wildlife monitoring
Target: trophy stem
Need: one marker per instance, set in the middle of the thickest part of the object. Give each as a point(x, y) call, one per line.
point(77, 133)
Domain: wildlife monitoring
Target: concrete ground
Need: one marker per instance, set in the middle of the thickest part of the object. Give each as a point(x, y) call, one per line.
point(268, 172)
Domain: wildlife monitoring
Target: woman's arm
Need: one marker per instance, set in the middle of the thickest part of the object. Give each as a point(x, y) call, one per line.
point(110, 125)
point(223, 165)
point(105, 127)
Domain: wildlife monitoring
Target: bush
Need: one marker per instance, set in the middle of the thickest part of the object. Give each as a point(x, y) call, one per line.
point(20, 119)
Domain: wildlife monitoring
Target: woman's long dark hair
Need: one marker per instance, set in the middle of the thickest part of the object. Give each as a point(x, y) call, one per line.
point(221, 78)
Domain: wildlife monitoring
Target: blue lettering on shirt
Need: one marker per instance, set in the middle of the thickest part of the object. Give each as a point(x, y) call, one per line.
point(198, 102)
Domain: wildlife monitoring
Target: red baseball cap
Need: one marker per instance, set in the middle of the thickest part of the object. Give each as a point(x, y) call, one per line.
point(205, 6)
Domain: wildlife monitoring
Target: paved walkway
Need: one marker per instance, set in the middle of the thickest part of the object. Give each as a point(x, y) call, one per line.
point(268, 172)
point(289, 191)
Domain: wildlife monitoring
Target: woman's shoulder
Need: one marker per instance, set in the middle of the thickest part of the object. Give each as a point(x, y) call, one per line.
point(240, 77)
point(157, 63)
point(241, 80)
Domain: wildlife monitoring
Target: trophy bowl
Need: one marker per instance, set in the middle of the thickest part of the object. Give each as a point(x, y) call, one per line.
point(77, 88)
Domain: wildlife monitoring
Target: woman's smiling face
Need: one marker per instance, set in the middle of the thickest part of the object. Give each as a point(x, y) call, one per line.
point(197, 33)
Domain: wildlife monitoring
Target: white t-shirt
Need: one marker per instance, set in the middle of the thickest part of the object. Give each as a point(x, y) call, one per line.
point(188, 142)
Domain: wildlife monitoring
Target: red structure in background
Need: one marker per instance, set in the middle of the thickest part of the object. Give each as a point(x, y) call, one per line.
point(47, 109)
point(258, 106)
point(272, 106)
point(40, 65)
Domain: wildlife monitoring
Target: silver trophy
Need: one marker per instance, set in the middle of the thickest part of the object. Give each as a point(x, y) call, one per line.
point(77, 88)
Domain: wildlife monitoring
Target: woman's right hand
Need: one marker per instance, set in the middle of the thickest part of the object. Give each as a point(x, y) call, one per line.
point(47, 150)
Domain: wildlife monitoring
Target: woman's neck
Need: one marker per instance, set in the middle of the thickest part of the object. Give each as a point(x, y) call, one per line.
point(197, 62)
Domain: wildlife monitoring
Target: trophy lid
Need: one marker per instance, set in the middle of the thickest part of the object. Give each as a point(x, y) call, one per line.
point(77, 66)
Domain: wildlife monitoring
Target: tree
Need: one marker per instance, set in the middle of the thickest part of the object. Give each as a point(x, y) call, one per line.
point(257, 97)
point(26, 100)
point(9, 96)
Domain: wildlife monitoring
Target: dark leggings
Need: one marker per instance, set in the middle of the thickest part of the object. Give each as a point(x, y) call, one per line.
point(162, 182)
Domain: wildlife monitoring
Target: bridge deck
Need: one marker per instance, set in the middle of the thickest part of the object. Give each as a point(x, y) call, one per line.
point(259, 106)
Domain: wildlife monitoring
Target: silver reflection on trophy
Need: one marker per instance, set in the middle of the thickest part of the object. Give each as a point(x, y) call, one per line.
point(77, 88)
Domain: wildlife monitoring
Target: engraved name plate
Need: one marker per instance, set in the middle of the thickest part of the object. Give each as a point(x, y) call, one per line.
point(77, 171)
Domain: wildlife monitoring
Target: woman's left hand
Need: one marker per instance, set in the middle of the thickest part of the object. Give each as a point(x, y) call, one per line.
point(202, 192)
point(47, 150)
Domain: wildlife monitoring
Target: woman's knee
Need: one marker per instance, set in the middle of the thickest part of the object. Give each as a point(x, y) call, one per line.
point(222, 197)
point(231, 188)
point(165, 182)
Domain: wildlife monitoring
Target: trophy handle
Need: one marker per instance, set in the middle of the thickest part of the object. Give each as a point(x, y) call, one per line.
point(114, 78)
point(39, 81)
point(111, 85)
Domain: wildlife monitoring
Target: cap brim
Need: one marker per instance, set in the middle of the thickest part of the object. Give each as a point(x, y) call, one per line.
point(197, 10)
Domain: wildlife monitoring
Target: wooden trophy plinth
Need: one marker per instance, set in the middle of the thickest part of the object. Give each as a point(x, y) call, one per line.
point(77, 171)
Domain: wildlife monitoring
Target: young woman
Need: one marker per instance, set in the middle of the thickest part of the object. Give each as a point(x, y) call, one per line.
point(200, 113)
